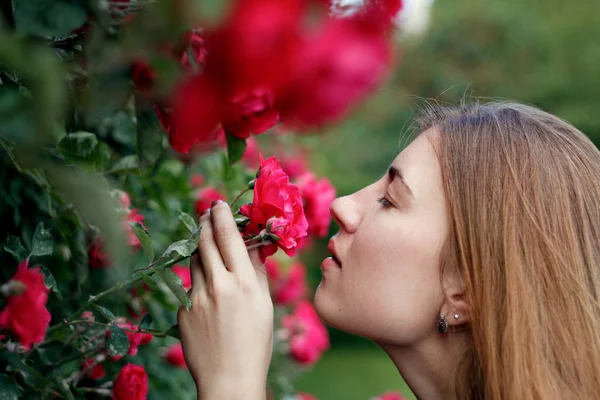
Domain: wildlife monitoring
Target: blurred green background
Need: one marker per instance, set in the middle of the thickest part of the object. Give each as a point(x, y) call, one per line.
point(545, 53)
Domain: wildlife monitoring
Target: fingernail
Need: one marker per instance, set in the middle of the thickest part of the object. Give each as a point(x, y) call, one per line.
point(216, 202)
point(205, 211)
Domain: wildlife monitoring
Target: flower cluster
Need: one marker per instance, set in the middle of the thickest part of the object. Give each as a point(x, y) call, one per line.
point(97, 256)
point(264, 64)
point(25, 314)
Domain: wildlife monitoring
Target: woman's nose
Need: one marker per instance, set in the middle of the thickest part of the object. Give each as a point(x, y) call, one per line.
point(346, 212)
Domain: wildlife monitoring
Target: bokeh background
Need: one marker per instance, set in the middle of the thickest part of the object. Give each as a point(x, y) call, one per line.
point(545, 53)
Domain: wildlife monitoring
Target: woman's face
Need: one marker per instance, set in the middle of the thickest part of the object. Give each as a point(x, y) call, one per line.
point(386, 286)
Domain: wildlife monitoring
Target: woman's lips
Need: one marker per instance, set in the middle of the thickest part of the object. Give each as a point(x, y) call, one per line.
point(330, 262)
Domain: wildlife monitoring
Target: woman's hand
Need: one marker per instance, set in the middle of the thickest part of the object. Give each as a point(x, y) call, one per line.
point(227, 335)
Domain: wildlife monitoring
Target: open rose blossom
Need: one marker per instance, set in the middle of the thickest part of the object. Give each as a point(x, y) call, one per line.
point(389, 396)
point(308, 337)
point(131, 383)
point(174, 356)
point(287, 286)
point(318, 194)
point(25, 314)
point(276, 208)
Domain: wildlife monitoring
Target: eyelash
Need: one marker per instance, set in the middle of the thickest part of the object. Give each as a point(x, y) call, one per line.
point(385, 202)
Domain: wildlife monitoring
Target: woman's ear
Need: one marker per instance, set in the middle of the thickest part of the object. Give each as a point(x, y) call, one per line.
point(455, 307)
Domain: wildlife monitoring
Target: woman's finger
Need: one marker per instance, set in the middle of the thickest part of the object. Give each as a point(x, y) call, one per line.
point(260, 269)
point(198, 279)
point(210, 258)
point(230, 242)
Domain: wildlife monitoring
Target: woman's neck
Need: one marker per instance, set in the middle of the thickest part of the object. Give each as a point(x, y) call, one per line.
point(429, 367)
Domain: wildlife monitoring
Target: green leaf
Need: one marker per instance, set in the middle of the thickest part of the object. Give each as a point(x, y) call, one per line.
point(84, 149)
point(13, 245)
point(173, 332)
point(188, 221)
point(235, 148)
point(150, 282)
point(127, 165)
point(50, 282)
point(42, 242)
point(8, 388)
point(48, 17)
point(146, 321)
point(106, 313)
point(144, 239)
point(118, 342)
point(184, 247)
point(150, 135)
point(173, 281)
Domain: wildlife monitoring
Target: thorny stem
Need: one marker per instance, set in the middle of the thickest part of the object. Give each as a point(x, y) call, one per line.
point(239, 196)
point(124, 283)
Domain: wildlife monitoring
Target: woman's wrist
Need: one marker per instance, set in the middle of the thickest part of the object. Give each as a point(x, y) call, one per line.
point(233, 390)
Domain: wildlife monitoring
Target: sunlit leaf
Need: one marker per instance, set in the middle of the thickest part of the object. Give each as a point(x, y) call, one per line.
point(42, 243)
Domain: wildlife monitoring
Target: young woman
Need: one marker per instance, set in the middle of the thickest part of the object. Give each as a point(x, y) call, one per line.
point(474, 262)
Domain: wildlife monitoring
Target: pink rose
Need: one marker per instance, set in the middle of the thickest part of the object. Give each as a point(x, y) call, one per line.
point(131, 383)
point(184, 273)
point(174, 356)
point(97, 370)
point(205, 198)
point(294, 166)
point(250, 112)
point(308, 337)
point(389, 396)
point(276, 201)
point(288, 286)
point(25, 314)
point(318, 196)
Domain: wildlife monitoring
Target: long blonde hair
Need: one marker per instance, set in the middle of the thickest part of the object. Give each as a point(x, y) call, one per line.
point(523, 192)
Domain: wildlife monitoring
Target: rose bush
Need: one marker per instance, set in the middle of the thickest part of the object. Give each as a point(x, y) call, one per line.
point(97, 107)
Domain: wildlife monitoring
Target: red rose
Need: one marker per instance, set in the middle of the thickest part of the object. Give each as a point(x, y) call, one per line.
point(184, 273)
point(131, 383)
point(205, 198)
point(174, 356)
point(250, 112)
point(318, 196)
point(339, 67)
point(196, 180)
point(305, 396)
point(308, 337)
point(275, 197)
point(196, 44)
point(288, 286)
point(146, 338)
point(196, 112)
point(97, 257)
point(96, 371)
point(143, 76)
point(389, 396)
point(25, 314)
point(294, 166)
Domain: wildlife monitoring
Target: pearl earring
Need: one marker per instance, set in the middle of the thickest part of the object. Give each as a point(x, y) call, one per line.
point(456, 316)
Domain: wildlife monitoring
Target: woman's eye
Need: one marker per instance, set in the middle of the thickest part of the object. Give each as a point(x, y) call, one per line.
point(384, 202)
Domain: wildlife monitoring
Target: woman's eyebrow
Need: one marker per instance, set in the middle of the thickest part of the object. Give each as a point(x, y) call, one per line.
point(394, 173)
